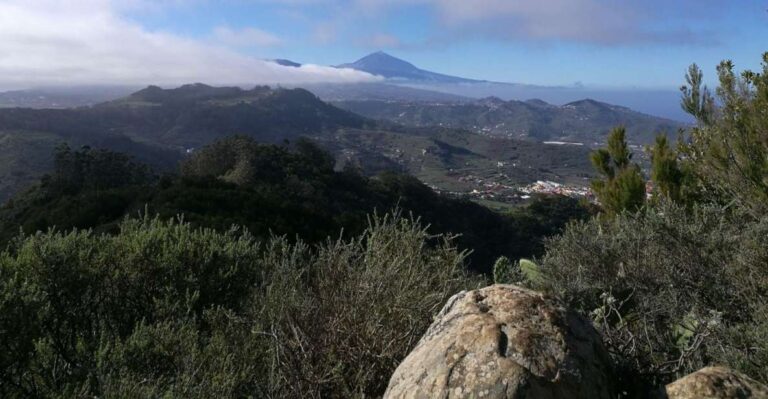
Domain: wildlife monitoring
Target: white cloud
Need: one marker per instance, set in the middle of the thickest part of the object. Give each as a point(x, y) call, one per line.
point(70, 42)
point(246, 37)
point(583, 20)
point(601, 22)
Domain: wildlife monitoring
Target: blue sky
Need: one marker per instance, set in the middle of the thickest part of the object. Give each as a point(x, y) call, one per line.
point(647, 45)
point(643, 44)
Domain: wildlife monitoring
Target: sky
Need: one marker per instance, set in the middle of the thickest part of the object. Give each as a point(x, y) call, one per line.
point(598, 43)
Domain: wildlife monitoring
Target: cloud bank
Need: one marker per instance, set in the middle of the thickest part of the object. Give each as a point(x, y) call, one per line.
point(75, 42)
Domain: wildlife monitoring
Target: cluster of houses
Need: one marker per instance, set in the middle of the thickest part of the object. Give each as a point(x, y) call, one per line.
point(550, 187)
point(500, 192)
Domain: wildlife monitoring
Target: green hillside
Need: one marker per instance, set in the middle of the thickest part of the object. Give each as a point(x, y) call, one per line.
point(160, 126)
point(445, 158)
point(585, 121)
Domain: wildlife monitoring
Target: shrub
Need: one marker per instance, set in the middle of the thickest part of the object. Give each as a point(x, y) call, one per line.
point(164, 309)
point(503, 271)
point(360, 307)
point(671, 290)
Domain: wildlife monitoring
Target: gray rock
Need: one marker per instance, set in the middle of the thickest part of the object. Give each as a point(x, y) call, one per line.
point(504, 341)
point(716, 383)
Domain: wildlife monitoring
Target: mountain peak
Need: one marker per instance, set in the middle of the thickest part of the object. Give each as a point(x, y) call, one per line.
point(385, 64)
point(594, 104)
point(381, 54)
point(288, 63)
point(586, 102)
point(492, 101)
point(391, 67)
point(538, 102)
point(193, 92)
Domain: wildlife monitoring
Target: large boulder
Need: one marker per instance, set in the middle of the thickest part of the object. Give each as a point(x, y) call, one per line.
point(505, 341)
point(716, 383)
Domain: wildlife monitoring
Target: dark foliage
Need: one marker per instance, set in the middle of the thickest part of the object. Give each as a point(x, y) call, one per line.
point(273, 190)
point(94, 170)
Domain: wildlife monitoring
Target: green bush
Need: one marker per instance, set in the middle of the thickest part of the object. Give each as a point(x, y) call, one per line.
point(670, 289)
point(503, 271)
point(162, 309)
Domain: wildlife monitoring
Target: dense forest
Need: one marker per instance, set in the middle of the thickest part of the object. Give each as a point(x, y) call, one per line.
point(260, 271)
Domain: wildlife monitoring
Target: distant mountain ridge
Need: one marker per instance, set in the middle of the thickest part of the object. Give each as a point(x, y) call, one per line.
point(192, 93)
point(380, 92)
point(587, 121)
point(400, 72)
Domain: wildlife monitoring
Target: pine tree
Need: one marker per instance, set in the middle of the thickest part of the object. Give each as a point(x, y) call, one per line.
point(622, 186)
point(666, 173)
point(697, 99)
point(728, 149)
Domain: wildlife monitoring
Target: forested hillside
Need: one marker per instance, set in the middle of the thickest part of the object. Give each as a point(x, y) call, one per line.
point(269, 190)
point(161, 126)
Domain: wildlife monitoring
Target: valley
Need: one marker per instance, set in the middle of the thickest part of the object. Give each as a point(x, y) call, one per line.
point(162, 126)
point(488, 150)
point(465, 164)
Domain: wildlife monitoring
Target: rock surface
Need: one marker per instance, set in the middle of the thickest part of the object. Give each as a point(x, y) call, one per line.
point(505, 341)
point(716, 383)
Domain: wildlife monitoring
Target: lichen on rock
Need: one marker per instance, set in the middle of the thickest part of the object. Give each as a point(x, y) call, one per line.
point(504, 341)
